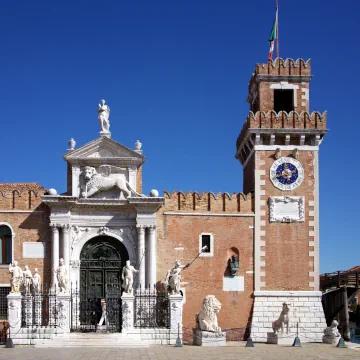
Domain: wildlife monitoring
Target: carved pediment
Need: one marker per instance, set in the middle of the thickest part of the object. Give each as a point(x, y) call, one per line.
point(104, 148)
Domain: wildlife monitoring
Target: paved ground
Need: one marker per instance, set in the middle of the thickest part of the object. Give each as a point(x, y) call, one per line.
point(234, 351)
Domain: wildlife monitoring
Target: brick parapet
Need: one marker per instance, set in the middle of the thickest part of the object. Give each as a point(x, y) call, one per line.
point(284, 67)
point(209, 202)
point(282, 120)
point(20, 196)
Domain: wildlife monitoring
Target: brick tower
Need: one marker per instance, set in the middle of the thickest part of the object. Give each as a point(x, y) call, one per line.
point(278, 148)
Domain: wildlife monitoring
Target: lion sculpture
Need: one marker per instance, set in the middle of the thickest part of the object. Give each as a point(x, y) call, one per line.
point(105, 181)
point(206, 319)
point(283, 319)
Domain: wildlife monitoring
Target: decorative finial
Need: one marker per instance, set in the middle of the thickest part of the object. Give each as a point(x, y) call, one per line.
point(138, 145)
point(103, 117)
point(72, 144)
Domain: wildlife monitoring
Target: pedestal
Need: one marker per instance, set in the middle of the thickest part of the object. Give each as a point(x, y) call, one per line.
point(14, 314)
point(208, 338)
point(280, 339)
point(176, 307)
point(63, 312)
point(127, 306)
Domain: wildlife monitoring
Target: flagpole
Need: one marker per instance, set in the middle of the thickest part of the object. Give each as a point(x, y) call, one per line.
point(277, 29)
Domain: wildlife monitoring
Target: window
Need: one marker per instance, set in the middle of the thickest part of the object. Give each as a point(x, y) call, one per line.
point(206, 239)
point(5, 245)
point(283, 100)
point(4, 292)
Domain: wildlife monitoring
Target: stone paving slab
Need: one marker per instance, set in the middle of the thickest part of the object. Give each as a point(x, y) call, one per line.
point(233, 351)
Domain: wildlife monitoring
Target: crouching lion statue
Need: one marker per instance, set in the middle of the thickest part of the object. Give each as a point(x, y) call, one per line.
point(105, 181)
point(206, 319)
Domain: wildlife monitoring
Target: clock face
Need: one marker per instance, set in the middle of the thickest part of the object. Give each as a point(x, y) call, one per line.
point(286, 173)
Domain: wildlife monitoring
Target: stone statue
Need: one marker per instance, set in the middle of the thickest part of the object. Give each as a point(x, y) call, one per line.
point(105, 181)
point(36, 281)
point(103, 117)
point(206, 319)
point(62, 276)
point(127, 277)
point(16, 277)
point(234, 265)
point(173, 278)
point(283, 319)
point(332, 334)
point(27, 280)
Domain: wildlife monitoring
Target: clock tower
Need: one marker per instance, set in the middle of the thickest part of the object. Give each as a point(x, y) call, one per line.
point(279, 149)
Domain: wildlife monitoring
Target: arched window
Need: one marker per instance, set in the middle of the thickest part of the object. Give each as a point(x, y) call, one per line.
point(5, 245)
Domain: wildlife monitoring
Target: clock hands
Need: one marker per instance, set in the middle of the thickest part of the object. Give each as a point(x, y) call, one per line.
point(286, 173)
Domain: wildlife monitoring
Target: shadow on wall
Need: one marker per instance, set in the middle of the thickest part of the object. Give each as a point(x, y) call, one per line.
point(39, 221)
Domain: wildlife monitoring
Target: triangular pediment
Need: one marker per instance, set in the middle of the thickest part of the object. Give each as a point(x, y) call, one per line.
point(103, 148)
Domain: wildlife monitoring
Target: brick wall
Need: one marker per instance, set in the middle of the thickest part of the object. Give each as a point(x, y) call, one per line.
point(178, 238)
point(29, 219)
point(287, 259)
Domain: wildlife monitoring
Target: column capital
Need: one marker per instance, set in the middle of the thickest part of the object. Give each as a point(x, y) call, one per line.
point(152, 227)
point(140, 229)
point(65, 227)
point(54, 227)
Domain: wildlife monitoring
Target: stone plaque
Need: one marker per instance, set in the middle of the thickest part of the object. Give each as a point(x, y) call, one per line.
point(33, 250)
point(235, 283)
point(287, 208)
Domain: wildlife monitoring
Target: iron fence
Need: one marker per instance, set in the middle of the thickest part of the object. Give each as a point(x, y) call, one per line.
point(152, 308)
point(39, 309)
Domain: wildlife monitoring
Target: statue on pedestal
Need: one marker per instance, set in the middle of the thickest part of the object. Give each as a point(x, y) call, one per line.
point(36, 281)
point(173, 278)
point(332, 334)
point(27, 280)
point(16, 277)
point(103, 117)
point(62, 277)
point(207, 331)
point(127, 277)
point(283, 319)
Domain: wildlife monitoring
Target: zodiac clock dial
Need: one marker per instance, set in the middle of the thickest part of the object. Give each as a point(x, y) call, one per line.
point(286, 173)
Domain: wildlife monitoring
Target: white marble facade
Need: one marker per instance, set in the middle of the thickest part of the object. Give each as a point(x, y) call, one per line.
point(114, 209)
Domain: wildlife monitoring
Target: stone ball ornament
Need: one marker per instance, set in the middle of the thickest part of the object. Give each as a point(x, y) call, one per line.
point(286, 173)
point(52, 192)
point(154, 193)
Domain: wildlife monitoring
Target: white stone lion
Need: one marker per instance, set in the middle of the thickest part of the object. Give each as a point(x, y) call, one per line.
point(206, 319)
point(95, 182)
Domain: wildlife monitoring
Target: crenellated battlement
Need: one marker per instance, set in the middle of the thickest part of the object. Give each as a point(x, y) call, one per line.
point(20, 196)
point(284, 67)
point(282, 120)
point(208, 202)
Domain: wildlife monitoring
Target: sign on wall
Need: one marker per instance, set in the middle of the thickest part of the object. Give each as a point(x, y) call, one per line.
point(33, 250)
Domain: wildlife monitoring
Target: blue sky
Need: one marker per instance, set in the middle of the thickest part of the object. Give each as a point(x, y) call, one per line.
point(175, 74)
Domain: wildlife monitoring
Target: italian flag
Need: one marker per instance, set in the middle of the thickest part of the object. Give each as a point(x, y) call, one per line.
point(273, 36)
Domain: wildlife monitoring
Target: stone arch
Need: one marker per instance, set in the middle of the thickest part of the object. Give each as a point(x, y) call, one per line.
point(125, 239)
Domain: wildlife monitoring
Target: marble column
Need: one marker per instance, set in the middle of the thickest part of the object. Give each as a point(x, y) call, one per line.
point(141, 255)
point(54, 252)
point(152, 256)
point(66, 245)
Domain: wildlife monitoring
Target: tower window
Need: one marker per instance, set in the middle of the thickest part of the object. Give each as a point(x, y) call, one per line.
point(206, 239)
point(283, 100)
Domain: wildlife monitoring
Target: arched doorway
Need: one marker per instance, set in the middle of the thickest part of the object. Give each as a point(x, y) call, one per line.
point(102, 259)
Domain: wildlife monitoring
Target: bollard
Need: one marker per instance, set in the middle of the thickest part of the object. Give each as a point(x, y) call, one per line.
point(178, 340)
point(341, 343)
point(9, 343)
point(297, 342)
point(249, 342)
